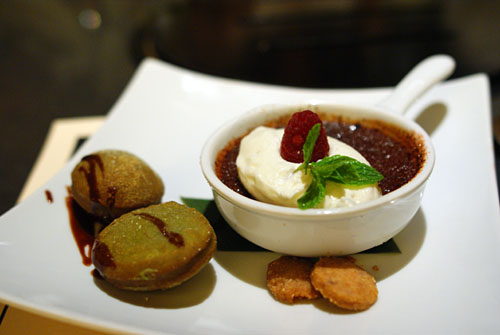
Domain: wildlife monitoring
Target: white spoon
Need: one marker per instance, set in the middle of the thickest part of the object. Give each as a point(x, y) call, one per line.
point(421, 78)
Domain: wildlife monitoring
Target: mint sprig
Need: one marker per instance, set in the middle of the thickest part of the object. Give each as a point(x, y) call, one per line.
point(308, 147)
point(337, 168)
point(314, 193)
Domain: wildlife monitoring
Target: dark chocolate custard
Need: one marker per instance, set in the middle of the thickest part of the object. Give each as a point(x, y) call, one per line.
point(396, 153)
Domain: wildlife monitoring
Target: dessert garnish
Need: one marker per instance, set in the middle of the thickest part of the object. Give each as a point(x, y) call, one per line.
point(270, 178)
point(288, 279)
point(337, 279)
point(344, 283)
point(337, 168)
point(295, 135)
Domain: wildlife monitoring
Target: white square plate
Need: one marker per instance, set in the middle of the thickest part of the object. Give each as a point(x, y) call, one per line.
point(445, 280)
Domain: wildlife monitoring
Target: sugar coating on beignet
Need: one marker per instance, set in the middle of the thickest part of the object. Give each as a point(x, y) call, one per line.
point(109, 183)
point(156, 247)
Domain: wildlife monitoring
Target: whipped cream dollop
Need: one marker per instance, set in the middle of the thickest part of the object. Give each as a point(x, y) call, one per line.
point(270, 178)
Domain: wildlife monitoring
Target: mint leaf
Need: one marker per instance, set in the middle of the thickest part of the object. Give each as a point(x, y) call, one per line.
point(346, 170)
point(337, 168)
point(308, 147)
point(314, 193)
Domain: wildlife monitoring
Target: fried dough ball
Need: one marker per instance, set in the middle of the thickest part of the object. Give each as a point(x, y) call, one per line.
point(110, 183)
point(157, 247)
point(288, 279)
point(344, 283)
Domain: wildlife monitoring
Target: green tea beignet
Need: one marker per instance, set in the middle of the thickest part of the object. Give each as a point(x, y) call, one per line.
point(156, 247)
point(109, 183)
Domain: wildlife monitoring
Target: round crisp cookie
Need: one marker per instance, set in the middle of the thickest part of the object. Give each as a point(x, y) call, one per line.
point(288, 279)
point(156, 247)
point(344, 283)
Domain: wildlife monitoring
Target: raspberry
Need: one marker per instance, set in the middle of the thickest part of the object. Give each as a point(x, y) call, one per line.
point(295, 135)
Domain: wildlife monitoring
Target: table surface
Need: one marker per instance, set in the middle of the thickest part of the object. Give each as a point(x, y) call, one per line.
point(62, 139)
point(65, 59)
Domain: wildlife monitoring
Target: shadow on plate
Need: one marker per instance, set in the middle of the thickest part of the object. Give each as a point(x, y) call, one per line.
point(431, 117)
point(191, 293)
point(409, 241)
point(251, 267)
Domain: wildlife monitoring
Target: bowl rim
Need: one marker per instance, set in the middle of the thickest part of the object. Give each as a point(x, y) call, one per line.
point(268, 111)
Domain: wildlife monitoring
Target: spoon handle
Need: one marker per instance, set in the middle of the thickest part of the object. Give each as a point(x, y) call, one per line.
point(422, 77)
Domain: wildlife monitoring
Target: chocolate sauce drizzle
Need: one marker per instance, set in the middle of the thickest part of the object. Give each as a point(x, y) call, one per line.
point(95, 161)
point(90, 174)
point(102, 255)
point(82, 226)
point(49, 197)
point(174, 238)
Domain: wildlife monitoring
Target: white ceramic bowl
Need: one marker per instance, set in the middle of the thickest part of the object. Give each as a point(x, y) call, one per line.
point(316, 232)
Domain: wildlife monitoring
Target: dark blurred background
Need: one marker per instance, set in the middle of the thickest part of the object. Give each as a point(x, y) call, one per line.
point(73, 58)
